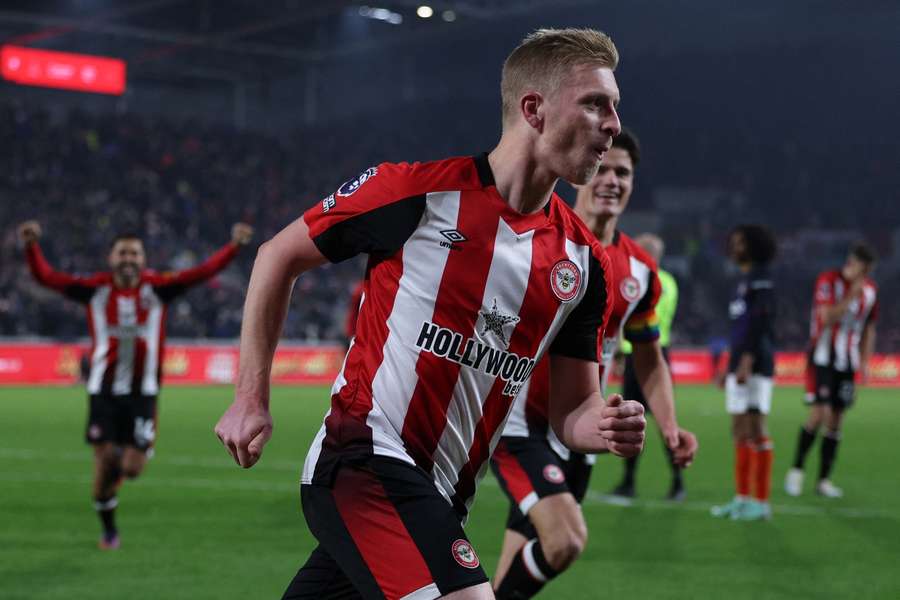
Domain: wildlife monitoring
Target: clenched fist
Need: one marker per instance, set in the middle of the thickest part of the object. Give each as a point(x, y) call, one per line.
point(29, 231)
point(241, 233)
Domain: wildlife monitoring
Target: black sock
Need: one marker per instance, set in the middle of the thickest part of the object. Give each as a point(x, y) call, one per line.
point(630, 468)
point(527, 574)
point(677, 483)
point(106, 510)
point(804, 443)
point(829, 451)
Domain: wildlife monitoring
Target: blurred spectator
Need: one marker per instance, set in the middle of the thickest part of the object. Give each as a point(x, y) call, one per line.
point(181, 184)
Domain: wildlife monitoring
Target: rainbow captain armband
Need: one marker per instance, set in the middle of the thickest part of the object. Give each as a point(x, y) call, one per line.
point(643, 327)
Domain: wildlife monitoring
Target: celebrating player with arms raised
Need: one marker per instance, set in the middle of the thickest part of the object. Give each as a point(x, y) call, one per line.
point(126, 314)
point(476, 271)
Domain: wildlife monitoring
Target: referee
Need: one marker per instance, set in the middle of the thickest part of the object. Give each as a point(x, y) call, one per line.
point(631, 389)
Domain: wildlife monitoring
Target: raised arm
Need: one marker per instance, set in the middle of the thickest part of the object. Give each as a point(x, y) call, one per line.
point(247, 425)
point(172, 284)
point(72, 286)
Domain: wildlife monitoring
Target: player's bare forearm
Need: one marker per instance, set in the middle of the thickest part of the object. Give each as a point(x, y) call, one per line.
point(867, 349)
point(656, 383)
point(831, 314)
point(580, 417)
point(265, 309)
point(247, 425)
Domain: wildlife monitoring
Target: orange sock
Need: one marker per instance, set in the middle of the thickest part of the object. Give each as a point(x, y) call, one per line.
point(763, 471)
point(743, 463)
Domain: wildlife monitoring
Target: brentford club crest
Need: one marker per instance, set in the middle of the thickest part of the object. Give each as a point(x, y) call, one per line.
point(565, 279)
point(630, 288)
point(554, 474)
point(465, 555)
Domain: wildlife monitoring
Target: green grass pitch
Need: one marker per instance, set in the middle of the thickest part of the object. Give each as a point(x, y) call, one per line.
point(195, 526)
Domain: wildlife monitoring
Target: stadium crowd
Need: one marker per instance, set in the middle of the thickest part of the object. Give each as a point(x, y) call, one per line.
point(179, 185)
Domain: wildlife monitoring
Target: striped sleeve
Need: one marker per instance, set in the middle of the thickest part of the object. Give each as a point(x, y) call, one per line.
point(373, 213)
point(643, 325)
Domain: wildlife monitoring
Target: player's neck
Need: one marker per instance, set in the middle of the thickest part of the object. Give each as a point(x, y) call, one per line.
point(605, 229)
point(521, 182)
point(125, 283)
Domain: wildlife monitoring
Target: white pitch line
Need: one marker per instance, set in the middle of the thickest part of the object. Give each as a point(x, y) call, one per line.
point(778, 509)
point(593, 497)
point(176, 460)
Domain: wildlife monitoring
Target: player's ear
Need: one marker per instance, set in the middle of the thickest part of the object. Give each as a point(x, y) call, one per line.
point(531, 106)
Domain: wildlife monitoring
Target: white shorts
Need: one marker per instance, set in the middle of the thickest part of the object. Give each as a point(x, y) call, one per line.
point(755, 395)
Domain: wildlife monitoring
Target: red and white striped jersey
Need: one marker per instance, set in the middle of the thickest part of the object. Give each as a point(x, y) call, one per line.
point(127, 326)
point(462, 297)
point(837, 345)
point(635, 292)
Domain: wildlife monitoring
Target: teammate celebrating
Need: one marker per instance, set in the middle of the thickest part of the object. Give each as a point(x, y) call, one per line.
point(631, 387)
point(544, 480)
point(476, 271)
point(845, 307)
point(126, 309)
point(748, 384)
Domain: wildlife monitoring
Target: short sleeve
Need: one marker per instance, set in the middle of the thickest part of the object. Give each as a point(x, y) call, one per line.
point(373, 213)
point(584, 327)
point(643, 324)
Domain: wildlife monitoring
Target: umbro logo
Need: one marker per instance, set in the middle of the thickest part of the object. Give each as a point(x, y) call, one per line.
point(452, 237)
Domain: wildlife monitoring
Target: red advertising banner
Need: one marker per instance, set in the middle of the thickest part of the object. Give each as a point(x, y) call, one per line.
point(184, 364)
point(66, 70)
point(60, 364)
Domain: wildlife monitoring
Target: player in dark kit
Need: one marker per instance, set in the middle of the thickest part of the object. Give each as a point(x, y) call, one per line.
point(845, 308)
point(751, 366)
point(476, 271)
point(126, 309)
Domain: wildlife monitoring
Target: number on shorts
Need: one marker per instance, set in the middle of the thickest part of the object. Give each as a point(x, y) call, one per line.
point(144, 434)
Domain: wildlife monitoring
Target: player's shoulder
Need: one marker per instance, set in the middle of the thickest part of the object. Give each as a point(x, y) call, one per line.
point(761, 278)
point(829, 276)
point(626, 244)
point(872, 284)
point(154, 278)
point(457, 173)
point(576, 231)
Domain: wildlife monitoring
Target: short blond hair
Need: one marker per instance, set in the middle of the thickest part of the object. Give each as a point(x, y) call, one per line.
point(545, 57)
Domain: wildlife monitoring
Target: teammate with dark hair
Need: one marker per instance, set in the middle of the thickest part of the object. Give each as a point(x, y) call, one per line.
point(845, 308)
point(544, 481)
point(751, 366)
point(126, 309)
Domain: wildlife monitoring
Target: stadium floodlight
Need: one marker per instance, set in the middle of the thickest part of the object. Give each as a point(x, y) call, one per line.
point(425, 11)
point(449, 16)
point(381, 14)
